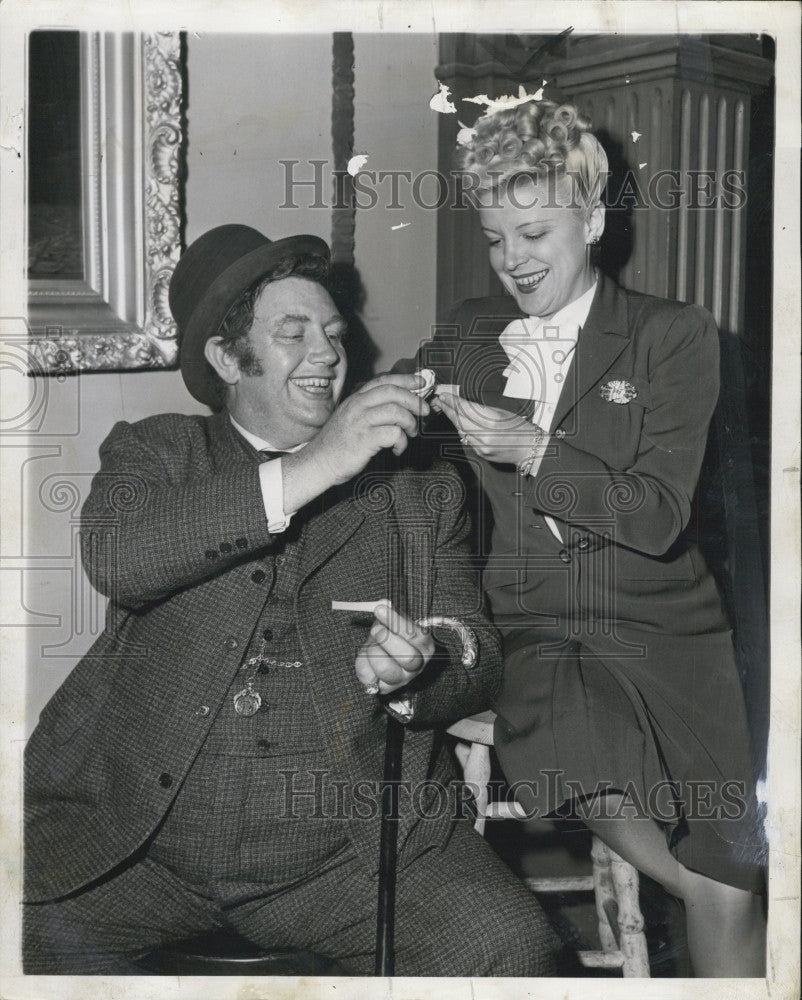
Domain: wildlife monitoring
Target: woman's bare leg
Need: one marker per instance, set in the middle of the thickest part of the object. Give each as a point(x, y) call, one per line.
point(640, 841)
point(726, 926)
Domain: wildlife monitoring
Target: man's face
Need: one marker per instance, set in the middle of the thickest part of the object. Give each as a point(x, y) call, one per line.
point(297, 339)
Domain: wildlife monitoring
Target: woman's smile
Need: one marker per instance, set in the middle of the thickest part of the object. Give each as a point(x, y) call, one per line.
point(529, 282)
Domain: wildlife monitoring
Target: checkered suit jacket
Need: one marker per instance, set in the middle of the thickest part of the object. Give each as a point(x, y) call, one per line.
point(173, 530)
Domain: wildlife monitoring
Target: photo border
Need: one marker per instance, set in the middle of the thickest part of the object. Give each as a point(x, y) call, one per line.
point(776, 18)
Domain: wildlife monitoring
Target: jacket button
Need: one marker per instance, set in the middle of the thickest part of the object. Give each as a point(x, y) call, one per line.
point(211, 554)
point(559, 433)
point(241, 543)
point(565, 555)
point(258, 575)
point(202, 710)
point(225, 546)
point(231, 642)
point(267, 635)
point(165, 779)
point(583, 542)
point(263, 744)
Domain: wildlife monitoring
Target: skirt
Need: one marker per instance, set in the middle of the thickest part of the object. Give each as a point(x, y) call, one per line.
point(658, 718)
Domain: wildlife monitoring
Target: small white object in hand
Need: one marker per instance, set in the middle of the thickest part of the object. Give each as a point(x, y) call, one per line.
point(429, 381)
point(452, 389)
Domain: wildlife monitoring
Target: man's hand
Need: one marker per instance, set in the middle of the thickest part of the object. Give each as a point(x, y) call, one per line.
point(383, 413)
point(395, 653)
point(497, 435)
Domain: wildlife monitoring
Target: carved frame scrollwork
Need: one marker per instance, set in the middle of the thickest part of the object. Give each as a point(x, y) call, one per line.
point(118, 317)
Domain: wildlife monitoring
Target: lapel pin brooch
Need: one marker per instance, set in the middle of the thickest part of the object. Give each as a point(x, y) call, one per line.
point(618, 391)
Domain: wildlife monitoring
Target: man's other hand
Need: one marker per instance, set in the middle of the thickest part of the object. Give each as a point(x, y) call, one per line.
point(396, 651)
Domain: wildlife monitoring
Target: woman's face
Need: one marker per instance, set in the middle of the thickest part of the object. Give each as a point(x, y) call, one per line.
point(538, 244)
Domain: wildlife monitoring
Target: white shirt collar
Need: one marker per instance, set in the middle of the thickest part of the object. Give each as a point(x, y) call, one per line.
point(537, 370)
point(260, 444)
point(572, 316)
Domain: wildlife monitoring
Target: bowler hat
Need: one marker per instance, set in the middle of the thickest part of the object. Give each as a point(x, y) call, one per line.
point(209, 278)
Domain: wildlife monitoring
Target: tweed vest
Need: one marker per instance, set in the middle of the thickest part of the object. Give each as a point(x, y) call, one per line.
point(257, 804)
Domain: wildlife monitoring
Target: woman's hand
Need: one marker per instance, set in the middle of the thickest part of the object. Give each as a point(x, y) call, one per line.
point(497, 435)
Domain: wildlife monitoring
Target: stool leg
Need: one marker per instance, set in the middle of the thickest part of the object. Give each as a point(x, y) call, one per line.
point(604, 893)
point(475, 761)
point(632, 940)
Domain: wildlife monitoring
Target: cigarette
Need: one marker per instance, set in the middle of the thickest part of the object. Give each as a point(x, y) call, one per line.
point(365, 606)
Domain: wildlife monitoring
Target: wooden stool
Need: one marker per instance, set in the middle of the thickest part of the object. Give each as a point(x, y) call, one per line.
point(614, 882)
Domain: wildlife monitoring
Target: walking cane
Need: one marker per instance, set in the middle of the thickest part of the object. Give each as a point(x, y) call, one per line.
point(388, 848)
point(388, 842)
point(393, 758)
point(394, 739)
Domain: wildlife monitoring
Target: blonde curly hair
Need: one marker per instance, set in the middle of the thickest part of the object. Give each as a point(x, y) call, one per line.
point(538, 138)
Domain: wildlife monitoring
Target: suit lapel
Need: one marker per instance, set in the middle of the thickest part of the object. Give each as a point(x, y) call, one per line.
point(601, 340)
point(329, 521)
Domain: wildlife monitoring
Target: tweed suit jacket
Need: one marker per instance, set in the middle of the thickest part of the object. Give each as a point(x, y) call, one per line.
point(174, 532)
point(619, 472)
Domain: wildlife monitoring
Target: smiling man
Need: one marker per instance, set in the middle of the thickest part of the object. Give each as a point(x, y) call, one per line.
point(214, 760)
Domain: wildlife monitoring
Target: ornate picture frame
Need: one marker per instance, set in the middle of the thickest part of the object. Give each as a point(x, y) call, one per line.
point(131, 133)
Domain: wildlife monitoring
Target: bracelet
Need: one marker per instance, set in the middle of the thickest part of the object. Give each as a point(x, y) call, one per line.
point(525, 466)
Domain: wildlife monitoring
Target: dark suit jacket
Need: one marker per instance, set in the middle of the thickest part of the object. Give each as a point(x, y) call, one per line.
point(173, 531)
point(624, 472)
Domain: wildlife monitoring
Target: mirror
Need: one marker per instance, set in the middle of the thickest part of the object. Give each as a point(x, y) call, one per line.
point(104, 200)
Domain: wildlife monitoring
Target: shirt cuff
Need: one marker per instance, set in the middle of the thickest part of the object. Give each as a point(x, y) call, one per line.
point(272, 484)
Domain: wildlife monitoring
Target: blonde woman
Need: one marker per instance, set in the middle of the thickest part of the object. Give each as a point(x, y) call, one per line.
point(585, 410)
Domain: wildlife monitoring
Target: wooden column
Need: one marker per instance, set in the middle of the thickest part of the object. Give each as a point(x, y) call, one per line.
point(690, 101)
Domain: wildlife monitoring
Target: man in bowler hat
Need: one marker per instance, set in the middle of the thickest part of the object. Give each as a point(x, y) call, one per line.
point(213, 761)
